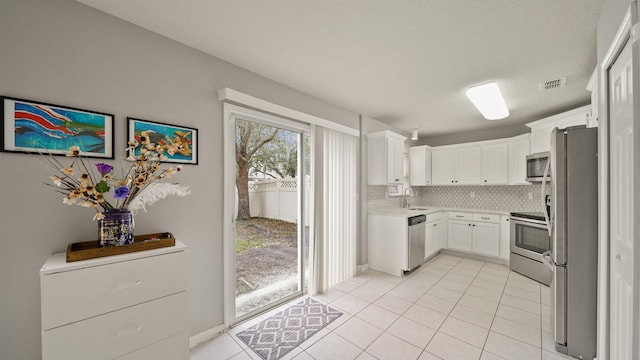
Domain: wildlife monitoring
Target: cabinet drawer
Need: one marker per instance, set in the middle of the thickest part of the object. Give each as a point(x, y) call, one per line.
point(493, 218)
point(434, 216)
point(80, 294)
point(460, 216)
point(173, 348)
point(118, 333)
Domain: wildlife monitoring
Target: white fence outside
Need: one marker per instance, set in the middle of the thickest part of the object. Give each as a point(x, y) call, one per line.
point(276, 199)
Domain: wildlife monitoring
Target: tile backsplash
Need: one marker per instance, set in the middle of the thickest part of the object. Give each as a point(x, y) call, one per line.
point(500, 198)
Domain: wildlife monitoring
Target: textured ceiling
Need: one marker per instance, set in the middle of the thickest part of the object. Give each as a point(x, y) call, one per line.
point(406, 63)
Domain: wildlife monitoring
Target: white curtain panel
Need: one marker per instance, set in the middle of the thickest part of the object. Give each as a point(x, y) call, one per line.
point(336, 213)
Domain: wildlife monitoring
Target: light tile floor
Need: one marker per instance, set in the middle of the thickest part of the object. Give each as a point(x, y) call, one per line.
point(449, 308)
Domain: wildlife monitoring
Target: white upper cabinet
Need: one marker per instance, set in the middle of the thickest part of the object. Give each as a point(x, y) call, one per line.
point(385, 154)
point(495, 164)
point(420, 165)
point(541, 130)
point(442, 167)
point(457, 166)
point(468, 166)
point(518, 149)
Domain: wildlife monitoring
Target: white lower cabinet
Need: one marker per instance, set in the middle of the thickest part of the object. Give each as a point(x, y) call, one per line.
point(474, 232)
point(130, 306)
point(459, 235)
point(434, 234)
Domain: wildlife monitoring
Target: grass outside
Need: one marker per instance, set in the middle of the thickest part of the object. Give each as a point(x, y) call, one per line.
point(266, 262)
point(258, 233)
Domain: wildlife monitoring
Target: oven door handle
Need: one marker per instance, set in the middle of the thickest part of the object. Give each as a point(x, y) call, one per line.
point(547, 260)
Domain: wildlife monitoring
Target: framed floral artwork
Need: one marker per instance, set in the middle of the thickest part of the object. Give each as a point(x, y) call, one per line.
point(180, 143)
point(38, 127)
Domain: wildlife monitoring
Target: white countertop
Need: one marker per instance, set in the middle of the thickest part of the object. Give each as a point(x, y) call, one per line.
point(405, 212)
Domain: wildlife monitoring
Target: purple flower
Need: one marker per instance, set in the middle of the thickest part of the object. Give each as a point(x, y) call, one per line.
point(121, 192)
point(104, 168)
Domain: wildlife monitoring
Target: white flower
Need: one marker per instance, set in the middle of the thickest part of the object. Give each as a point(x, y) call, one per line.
point(56, 180)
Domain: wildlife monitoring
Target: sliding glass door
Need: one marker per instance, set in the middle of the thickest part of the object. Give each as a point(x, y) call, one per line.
point(269, 236)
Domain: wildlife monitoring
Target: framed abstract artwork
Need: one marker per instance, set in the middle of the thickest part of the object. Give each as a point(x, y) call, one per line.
point(181, 143)
point(37, 127)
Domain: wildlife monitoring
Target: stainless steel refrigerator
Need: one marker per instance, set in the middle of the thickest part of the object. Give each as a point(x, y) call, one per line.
point(573, 224)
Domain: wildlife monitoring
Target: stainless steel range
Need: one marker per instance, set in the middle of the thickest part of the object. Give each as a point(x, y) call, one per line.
point(529, 240)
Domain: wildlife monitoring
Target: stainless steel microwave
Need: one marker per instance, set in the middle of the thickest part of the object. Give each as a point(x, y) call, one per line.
point(536, 165)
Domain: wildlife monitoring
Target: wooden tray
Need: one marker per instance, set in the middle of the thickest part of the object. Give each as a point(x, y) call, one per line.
point(91, 249)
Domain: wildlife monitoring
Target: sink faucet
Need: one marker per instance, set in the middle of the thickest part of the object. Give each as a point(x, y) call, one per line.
point(404, 198)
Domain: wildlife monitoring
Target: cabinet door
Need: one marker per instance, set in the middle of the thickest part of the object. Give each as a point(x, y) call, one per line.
point(419, 166)
point(395, 159)
point(518, 151)
point(459, 235)
point(468, 169)
point(494, 164)
point(442, 167)
point(433, 238)
point(486, 239)
point(541, 138)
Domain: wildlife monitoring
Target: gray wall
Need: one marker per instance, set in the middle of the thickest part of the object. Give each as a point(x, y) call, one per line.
point(65, 53)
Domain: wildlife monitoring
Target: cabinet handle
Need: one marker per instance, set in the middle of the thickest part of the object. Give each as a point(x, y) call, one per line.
point(485, 181)
point(507, 219)
point(468, 224)
point(452, 181)
point(128, 331)
point(485, 218)
point(125, 285)
point(474, 225)
point(434, 225)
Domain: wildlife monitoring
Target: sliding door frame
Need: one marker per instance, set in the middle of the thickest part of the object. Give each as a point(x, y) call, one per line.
point(232, 113)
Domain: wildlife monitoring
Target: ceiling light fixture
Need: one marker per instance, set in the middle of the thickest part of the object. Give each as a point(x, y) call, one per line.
point(414, 134)
point(488, 99)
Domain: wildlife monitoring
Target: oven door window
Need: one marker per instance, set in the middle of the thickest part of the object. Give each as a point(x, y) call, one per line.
point(532, 238)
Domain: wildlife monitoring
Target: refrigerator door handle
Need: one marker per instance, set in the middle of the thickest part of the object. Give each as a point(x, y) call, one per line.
point(547, 260)
point(544, 182)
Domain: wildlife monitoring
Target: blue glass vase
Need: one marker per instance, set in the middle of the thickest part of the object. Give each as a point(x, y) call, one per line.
point(116, 229)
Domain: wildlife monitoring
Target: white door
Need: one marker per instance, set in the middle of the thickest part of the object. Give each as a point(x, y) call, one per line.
point(468, 167)
point(442, 167)
point(459, 235)
point(621, 205)
point(494, 164)
point(486, 239)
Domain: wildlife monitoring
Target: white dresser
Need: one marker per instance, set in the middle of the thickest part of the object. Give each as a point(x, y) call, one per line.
point(130, 306)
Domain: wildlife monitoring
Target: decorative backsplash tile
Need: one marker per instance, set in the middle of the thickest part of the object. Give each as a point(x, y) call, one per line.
point(500, 198)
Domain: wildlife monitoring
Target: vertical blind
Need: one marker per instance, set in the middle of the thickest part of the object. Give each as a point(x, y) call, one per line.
point(337, 243)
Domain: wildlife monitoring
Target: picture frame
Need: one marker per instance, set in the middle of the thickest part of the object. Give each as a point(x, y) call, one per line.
point(181, 140)
point(37, 127)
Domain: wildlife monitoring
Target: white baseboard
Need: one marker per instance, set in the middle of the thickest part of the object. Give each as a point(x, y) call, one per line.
point(205, 336)
point(360, 268)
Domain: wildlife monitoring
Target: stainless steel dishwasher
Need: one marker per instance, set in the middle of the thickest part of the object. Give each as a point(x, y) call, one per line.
point(416, 240)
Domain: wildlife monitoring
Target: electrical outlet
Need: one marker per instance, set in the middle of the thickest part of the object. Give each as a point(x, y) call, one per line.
point(530, 196)
point(472, 194)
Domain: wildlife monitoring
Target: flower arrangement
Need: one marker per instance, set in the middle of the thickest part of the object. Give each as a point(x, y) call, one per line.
point(139, 186)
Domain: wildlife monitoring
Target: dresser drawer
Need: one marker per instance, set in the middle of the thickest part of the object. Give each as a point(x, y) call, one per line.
point(75, 295)
point(173, 348)
point(116, 334)
point(460, 216)
point(493, 218)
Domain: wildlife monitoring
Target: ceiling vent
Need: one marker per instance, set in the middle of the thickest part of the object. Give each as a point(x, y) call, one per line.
point(553, 84)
